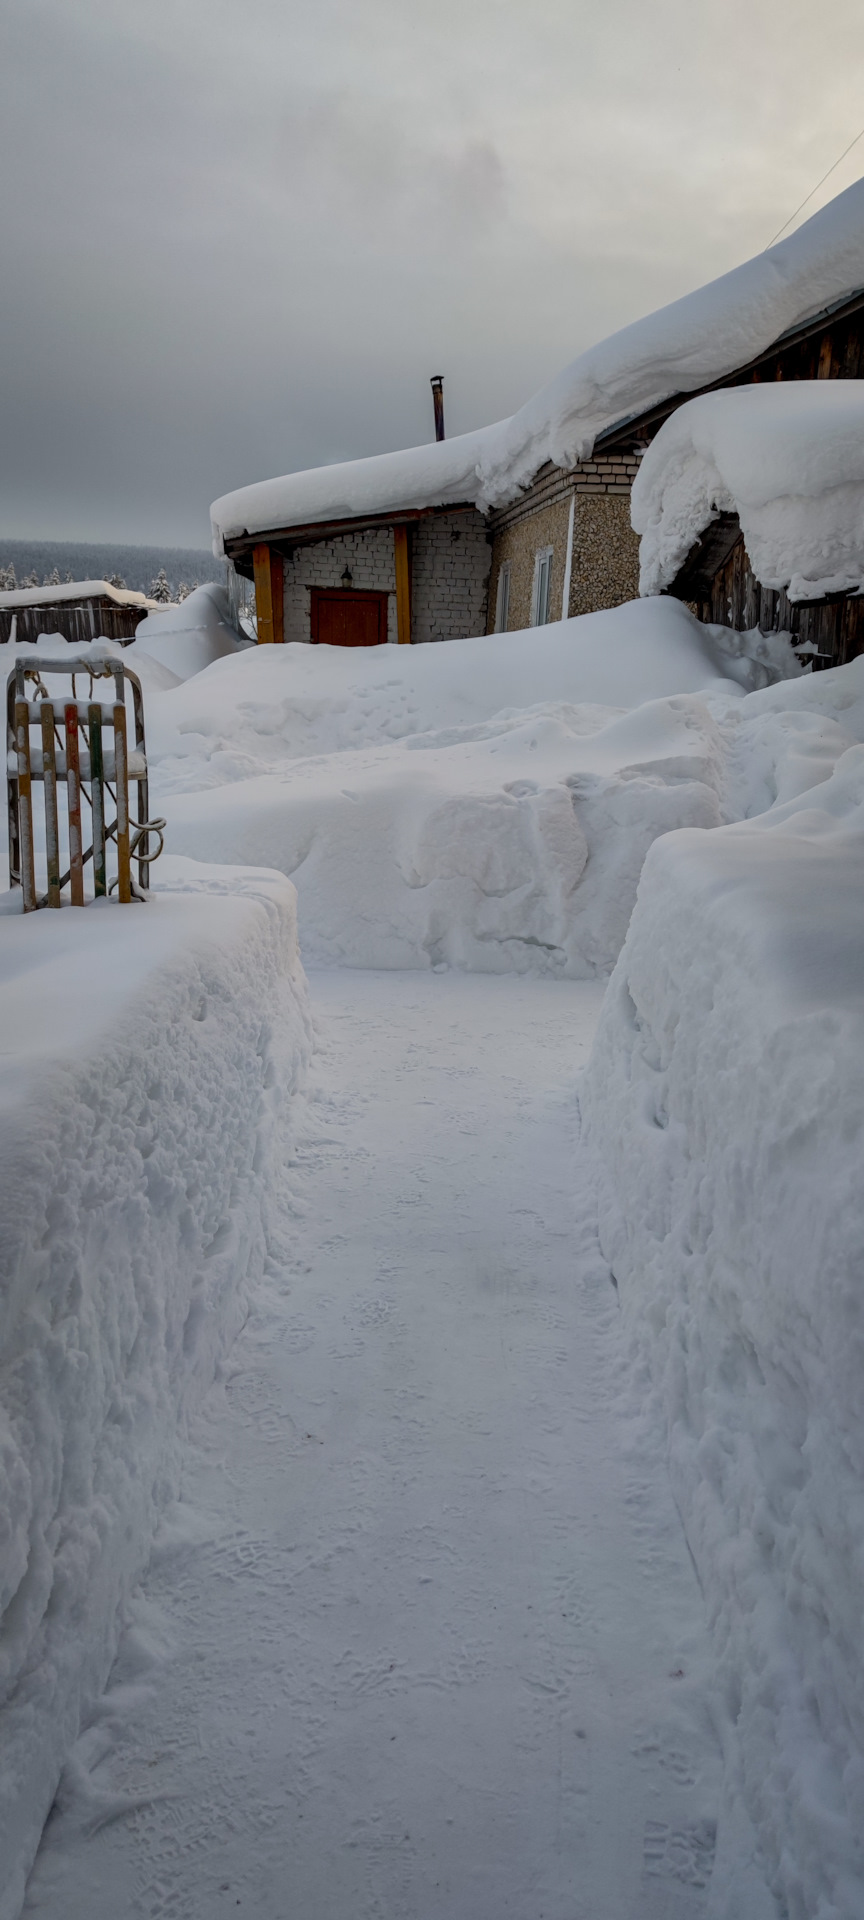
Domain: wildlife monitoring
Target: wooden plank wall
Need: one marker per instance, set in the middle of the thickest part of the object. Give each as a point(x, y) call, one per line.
point(78, 624)
point(835, 626)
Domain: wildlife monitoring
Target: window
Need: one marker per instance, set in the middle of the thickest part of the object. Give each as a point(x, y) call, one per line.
point(542, 585)
point(502, 602)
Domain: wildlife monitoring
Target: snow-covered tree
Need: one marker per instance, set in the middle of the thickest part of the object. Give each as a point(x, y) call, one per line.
point(70, 579)
point(8, 582)
point(32, 580)
point(118, 581)
point(51, 579)
point(160, 588)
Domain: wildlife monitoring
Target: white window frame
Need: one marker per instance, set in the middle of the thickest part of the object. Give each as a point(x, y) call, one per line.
point(502, 598)
point(541, 589)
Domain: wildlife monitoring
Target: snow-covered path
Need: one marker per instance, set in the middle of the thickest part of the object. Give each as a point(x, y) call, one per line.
point(423, 1641)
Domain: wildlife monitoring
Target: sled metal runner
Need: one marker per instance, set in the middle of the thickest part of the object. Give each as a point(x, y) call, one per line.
point(79, 747)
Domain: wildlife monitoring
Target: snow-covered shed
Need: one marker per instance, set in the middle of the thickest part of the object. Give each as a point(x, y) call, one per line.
point(750, 505)
point(80, 610)
point(529, 519)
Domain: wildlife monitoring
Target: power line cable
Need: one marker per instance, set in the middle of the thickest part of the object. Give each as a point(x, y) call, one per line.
point(819, 183)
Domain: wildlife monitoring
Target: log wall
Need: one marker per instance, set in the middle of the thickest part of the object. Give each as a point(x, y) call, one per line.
point(77, 624)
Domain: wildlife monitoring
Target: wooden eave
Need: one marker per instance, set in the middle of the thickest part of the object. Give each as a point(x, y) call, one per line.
point(695, 579)
point(711, 551)
point(284, 540)
point(634, 424)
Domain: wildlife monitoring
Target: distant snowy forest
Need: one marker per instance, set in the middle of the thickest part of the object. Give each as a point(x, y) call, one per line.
point(137, 567)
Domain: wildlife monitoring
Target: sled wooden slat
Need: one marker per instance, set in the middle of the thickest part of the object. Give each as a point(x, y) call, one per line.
point(26, 869)
point(124, 867)
point(97, 800)
point(52, 827)
point(73, 789)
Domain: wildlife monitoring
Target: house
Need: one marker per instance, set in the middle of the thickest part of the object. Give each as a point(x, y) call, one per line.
point(80, 610)
point(529, 520)
point(750, 504)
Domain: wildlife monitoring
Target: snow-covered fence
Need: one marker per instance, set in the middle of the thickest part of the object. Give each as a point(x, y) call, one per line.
point(73, 774)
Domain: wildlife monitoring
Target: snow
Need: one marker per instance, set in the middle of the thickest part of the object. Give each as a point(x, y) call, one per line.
point(187, 638)
point(421, 1636)
point(75, 590)
point(424, 1545)
point(487, 804)
point(724, 1109)
point(680, 348)
point(787, 458)
point(149, 1056)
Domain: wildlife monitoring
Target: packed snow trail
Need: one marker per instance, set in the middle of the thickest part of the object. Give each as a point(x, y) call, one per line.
point(422, 1640)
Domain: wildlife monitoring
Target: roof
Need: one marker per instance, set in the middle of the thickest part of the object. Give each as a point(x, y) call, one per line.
point(75, 590)
point(681, 348)
point(786, 458)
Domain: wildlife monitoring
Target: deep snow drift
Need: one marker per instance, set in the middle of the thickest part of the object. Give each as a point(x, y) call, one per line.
point(486, 804)
point(725, 1108)
point(788, 458)
point(422, 1638)
point(149, 1056)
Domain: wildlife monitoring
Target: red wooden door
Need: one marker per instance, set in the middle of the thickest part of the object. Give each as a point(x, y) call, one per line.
point(348, 617)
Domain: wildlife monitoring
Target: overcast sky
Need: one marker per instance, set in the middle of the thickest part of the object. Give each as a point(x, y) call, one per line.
point(238, 238)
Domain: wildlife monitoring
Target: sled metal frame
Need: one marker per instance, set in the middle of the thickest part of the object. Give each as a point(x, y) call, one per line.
point(91, 774)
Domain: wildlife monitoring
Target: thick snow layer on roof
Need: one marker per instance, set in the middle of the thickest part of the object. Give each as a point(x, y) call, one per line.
point(684, 346)
point(788, 459)
point(75, 590)
point(441, 474)
point(147, 1060)
point(725, 1105)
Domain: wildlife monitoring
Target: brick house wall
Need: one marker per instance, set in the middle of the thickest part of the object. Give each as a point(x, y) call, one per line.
point(450, 561)
point(371, 560)
point(605, 563)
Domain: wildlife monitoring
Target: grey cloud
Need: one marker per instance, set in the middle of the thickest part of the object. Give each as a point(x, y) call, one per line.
point(235, 241)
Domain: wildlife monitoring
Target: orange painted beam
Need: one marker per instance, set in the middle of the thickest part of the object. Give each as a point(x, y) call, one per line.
point(277, 596)
point(403, 586)
point(263, 594)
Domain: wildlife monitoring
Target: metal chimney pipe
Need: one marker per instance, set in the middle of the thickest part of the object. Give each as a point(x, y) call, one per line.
point(437, 385)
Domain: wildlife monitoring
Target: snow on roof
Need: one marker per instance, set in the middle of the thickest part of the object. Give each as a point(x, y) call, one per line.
point(787, 458)
point(74, 590)
point(694, 341)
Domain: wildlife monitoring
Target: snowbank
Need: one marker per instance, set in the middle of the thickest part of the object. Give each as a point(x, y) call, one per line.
point(788, 459)
point(678, 349)
point(724, 1102)
point(149, 1056)
point(188, 637)
point(486, 805)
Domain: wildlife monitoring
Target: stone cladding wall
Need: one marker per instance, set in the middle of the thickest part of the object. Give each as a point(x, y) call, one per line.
point(450, 560)
point(605, 567)
point(370, 558)
point(519, 544)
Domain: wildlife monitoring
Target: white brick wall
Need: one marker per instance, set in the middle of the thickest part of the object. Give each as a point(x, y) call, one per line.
point(370, 558)
point(451, 558)
point(450, 561)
